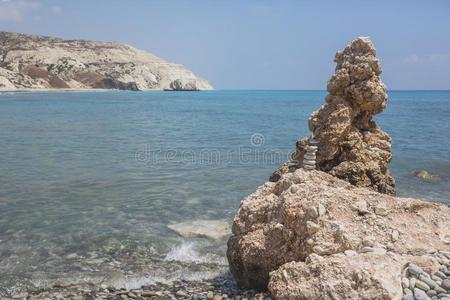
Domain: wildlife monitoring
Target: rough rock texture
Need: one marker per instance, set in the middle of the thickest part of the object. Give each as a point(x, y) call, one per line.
point(311, 235)
point(351, 145)
point(38, 62)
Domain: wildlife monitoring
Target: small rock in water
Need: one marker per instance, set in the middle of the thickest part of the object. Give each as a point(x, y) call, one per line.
point(181, 293)
point(71, 256)
point(213, 229)
point(425, 175)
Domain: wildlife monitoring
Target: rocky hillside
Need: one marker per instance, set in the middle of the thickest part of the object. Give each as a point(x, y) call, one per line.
point(40, 62)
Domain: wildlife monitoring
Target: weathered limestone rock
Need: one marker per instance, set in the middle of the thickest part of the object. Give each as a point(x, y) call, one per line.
point(364, 239)
point(40, 62)
point(338, 277)
point(351, 145)
point(179, 85)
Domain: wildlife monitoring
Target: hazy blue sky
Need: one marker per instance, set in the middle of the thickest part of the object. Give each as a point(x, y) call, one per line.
point(257, 44)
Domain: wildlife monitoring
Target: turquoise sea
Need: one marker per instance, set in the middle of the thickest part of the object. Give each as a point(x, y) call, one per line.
point(89, 181)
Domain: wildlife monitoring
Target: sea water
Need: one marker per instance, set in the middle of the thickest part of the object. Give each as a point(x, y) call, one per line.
point(89, 181)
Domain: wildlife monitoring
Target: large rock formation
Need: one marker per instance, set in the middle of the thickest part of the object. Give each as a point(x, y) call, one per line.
point(311, 235)
point(38, 62)
point(351, 145)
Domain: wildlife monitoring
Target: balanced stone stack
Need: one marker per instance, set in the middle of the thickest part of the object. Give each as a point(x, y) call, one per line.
point(309, 160)
point(352, 146)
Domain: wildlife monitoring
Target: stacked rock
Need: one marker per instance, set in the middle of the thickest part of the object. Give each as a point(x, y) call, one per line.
point(418, 284)
point(356, 95)
point(309, 160)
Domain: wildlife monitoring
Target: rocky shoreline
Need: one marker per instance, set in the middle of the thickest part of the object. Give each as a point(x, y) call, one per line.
point(219, 288)
point(328, 226)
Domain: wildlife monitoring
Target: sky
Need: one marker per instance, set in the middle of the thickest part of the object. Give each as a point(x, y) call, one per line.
point(257, 44)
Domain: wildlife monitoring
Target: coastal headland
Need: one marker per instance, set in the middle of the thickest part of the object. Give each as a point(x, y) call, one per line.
point(32, 62)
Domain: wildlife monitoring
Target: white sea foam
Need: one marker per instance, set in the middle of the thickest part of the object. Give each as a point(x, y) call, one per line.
point(134, 283)
point(188, 252)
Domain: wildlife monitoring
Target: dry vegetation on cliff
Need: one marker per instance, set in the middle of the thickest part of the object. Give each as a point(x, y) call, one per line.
point(39, 62)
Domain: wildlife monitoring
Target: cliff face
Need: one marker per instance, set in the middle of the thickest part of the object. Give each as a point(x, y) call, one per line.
point(30, 61)
point(351, 146)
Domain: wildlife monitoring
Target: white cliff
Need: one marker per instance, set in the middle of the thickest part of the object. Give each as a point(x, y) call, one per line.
point(39, 62)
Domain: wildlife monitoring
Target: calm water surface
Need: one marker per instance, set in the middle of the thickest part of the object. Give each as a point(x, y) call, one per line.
point(90, 181)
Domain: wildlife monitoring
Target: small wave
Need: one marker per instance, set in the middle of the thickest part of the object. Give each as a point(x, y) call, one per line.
point(135, 283)
point(187, 252)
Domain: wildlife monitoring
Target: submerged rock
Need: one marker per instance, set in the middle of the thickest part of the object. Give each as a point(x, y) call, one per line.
point(351, 145)
point(280, 240)
point(213, 229)
point(425, 175)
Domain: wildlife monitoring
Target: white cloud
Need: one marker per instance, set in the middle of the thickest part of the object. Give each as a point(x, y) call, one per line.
point(440, 58)
point(411, 59)
point(56, 9)
point(15, 10)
